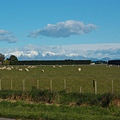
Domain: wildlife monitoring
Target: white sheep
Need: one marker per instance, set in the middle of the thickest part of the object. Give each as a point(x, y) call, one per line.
point(60, 66)
point(79, 69)
point(26, 69)
point(20, 69)
point(42, 71)
point(8, 68)
point(92, 64)
point(4, 67)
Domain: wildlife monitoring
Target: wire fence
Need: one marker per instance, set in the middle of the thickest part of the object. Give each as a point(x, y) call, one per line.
point(25, 86)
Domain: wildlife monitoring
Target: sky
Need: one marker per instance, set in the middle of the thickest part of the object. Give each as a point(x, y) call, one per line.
point(60, 27)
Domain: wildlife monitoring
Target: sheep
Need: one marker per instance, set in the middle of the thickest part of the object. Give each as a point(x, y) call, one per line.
point(12, 67)
point(26, 69)
point(8, 68)
point(42, 71)
point(92, 64)
point(79, 69)
point(31, 67)
point(53, 66)
point(60, 66)
point(4, 67)
point(20, 69)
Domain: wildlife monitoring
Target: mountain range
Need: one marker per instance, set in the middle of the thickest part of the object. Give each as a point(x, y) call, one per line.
point(94, 55)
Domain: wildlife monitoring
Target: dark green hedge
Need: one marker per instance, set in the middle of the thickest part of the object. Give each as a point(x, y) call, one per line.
point(54, 62)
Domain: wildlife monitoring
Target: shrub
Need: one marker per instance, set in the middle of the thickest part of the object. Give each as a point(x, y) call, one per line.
point(61, 97)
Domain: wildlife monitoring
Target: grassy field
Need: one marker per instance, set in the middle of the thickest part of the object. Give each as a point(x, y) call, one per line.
point(74, 79)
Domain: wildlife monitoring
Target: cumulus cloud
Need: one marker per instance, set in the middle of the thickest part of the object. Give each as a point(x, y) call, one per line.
point(64, 29)
point(7, 36)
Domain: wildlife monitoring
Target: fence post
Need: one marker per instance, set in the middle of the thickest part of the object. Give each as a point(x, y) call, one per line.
point(64, 84)
point(51, 85)
point(0, 84)
point(11, 85)
point(37, 84)
point(95, 86)
point(112, 87)
point(23, 84)
point(80, 89)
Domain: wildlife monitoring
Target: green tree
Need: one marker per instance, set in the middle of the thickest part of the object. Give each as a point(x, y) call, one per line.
point(6, 62)
point(2, 57)
point(13, 60)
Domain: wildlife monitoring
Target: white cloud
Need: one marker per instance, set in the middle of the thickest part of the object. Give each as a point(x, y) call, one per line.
point(7, 36)
point(64, 29)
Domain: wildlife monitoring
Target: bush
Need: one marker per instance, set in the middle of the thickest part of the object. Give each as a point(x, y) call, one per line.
point(61, 97)
point(42, 96)
point(106, 99)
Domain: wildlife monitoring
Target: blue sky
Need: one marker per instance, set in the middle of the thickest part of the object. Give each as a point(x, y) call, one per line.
point(28, 25)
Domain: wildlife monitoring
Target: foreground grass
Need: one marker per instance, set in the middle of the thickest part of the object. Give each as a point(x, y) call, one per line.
point(47, 105)
point(23, 110)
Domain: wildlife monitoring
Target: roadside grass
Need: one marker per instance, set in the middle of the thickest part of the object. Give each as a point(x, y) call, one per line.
point(22, 110)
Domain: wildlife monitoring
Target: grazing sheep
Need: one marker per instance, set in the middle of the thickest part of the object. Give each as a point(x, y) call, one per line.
point(79, 69)
point(31, 67)
point(2, 68)
point(12, 67)
point(26, 69)
point(8, 68)
point(20, 69)
point(92, 64)
point(60, 66)
point(42, 71)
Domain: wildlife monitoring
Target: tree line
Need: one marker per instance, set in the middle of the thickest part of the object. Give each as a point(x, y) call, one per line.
point(12, 60)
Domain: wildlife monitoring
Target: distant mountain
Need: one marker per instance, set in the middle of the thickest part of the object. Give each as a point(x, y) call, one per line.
point(48, 56)
point(105, 59)
point(62, 53)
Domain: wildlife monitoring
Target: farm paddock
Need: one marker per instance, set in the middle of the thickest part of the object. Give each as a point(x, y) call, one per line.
point(59, 77)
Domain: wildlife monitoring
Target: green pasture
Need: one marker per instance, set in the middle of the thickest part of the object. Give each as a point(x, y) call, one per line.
point(13, 79)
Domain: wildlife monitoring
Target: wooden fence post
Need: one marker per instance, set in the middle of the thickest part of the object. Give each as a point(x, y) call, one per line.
point(51, 85)
point(0, 84)
point(64, 84)
point(112, 87)
point(37, 84)
point(95, 86)
point(23, 84)
point(11, 86)
point(80, 89)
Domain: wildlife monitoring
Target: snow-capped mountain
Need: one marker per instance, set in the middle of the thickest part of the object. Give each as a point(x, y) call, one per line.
point(75, 52)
